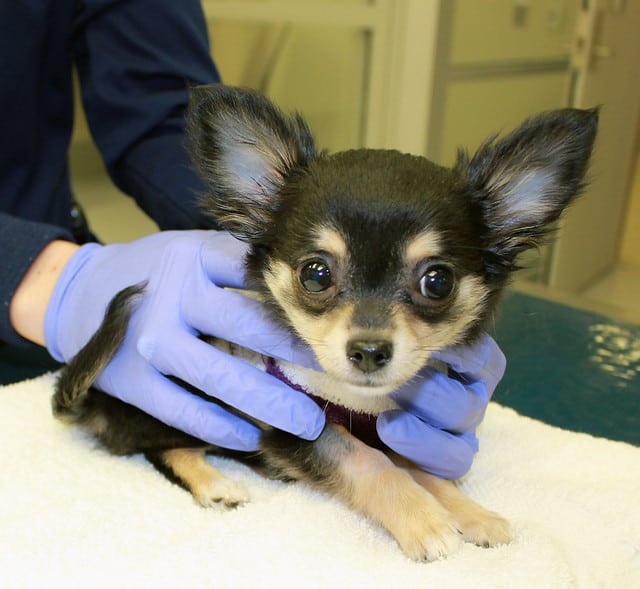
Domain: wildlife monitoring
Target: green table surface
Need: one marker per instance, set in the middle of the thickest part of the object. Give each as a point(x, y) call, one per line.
point(571, 368)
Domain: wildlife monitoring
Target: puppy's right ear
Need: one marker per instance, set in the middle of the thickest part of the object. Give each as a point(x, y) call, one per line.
point(244, 148)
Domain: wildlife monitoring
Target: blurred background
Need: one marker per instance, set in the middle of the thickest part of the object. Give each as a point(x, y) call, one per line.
point(427, 76)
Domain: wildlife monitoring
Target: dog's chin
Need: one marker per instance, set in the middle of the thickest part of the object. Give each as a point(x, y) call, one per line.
point(380, 382)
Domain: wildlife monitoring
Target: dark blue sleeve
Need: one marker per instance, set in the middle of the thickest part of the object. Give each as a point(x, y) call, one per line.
point(136, 60)
point(20, 242)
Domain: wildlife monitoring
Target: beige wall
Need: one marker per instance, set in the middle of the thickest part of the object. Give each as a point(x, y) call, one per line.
point(318, 70)
point(474, 109)
point(315, 70)
point(630, 247)
point(500, 62)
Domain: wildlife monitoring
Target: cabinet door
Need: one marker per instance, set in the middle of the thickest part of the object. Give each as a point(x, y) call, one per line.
point(604, 68)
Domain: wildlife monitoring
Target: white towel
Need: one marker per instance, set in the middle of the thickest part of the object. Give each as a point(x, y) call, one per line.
point(73, 516)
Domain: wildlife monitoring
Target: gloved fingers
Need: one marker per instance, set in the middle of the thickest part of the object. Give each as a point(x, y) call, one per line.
point(444, 402)
point(237, 383)
point(56, 316)
point(223, 259)
point(433, 450)
point(235, 317)
point(170, 403)
point(481, 361)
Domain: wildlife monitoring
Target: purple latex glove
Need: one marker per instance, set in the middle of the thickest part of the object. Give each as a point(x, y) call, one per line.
point(440, 413)
point(185, 272)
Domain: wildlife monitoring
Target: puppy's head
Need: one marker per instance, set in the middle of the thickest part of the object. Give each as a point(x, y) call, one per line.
point(376, 258)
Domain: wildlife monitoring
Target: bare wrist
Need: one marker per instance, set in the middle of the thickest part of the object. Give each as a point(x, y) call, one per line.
point(29, 303)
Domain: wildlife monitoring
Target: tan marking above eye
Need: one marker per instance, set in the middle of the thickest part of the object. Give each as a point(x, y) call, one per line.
point(423, 246)
point(331, 241)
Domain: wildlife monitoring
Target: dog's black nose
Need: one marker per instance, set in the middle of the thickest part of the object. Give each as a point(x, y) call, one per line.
point(369, 355)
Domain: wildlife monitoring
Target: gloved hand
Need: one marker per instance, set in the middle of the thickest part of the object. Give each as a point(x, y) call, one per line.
point(185, 273)
point(440, 413)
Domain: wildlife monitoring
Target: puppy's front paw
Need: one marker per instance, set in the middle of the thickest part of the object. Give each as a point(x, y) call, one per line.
point(424, 529)
point(483, 527)
point(430, 534)
point(221, 491)
point(476, 524)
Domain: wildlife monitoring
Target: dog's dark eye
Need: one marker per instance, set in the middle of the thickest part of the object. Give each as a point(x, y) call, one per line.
point(437, 282)
point(315, 276)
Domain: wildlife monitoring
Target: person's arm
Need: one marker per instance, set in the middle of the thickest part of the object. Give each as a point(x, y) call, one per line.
point(136, 62)
point(21, 243)
point(29, 303)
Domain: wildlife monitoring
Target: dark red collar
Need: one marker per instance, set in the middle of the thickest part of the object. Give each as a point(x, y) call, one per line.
point(361, 425)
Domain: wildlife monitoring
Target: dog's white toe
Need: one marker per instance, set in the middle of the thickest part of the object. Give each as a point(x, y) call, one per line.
point(222, 491)
point(429, 533)
point(486, 528)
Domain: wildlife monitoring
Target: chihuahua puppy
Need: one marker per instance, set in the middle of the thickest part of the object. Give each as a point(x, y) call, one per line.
point(376, 259)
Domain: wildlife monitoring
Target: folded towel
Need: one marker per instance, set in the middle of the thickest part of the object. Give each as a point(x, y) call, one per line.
point(71, 515)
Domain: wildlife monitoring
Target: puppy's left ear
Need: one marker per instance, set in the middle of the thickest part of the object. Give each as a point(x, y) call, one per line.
point(244, 148)
point(523, 182)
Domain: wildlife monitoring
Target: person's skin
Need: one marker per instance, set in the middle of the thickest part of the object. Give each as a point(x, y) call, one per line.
point(29, 303)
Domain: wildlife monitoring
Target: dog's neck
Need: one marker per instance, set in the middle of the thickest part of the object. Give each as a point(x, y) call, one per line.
point(355, 408)
point(320, 384)
point(360, 424)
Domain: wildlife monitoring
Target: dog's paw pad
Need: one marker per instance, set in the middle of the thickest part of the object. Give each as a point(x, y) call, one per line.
point(222, 491)
point(486, 529)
